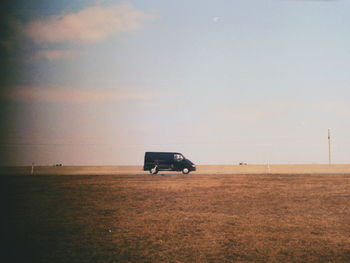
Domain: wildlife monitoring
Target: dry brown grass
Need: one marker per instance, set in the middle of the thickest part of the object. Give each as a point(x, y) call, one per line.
point(176, 218)
point(201, 169)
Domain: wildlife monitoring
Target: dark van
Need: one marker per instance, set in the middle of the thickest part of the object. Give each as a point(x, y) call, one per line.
point(167, 161)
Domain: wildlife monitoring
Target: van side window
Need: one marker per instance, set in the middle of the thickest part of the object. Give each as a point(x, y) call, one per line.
point(178, 157)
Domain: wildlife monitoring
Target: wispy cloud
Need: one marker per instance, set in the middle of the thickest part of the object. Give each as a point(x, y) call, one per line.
point(56, 54)
point(77, 95)
point(91, 25)
point(337, 107)
point(254, 109)
point(9, 31)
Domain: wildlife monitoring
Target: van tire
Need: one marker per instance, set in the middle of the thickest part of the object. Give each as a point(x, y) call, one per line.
point(185, 171)
point(154, 170)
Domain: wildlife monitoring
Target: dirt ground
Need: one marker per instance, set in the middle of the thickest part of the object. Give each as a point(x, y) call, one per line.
point(232, 169)
point(175, 218)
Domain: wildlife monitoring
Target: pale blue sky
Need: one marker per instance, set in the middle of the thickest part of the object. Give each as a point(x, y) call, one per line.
point(101, 82)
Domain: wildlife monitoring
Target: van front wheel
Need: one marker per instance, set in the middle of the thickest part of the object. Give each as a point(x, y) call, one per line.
point(185, 170)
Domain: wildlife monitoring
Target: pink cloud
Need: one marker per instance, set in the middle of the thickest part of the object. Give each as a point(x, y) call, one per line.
point(91, 25)
point(77, 95)
point(338, 107)
point(56, 54)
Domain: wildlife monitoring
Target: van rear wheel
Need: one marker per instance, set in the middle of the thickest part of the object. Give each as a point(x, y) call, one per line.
point(185, 170)
point(154, 170)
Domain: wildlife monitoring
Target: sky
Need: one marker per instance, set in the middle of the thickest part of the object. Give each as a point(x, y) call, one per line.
point(90, 82)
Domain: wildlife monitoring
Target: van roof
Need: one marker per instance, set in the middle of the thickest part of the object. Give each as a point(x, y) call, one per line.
point(164, 152)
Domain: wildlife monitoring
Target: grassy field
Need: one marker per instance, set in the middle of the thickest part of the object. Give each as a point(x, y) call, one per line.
point(201, 169)
point(175, 218)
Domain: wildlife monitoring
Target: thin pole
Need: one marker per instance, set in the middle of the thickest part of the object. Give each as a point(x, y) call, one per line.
point(32, 171)
point(329, 147)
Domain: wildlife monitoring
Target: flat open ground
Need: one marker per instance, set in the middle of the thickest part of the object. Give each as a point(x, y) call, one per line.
point(176, 218)
point(201, 169)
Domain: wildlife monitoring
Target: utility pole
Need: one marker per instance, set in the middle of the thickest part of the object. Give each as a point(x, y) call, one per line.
point(329, 147)
point(32, 171)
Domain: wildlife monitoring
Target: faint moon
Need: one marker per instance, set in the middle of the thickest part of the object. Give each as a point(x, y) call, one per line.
point(216, 19)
